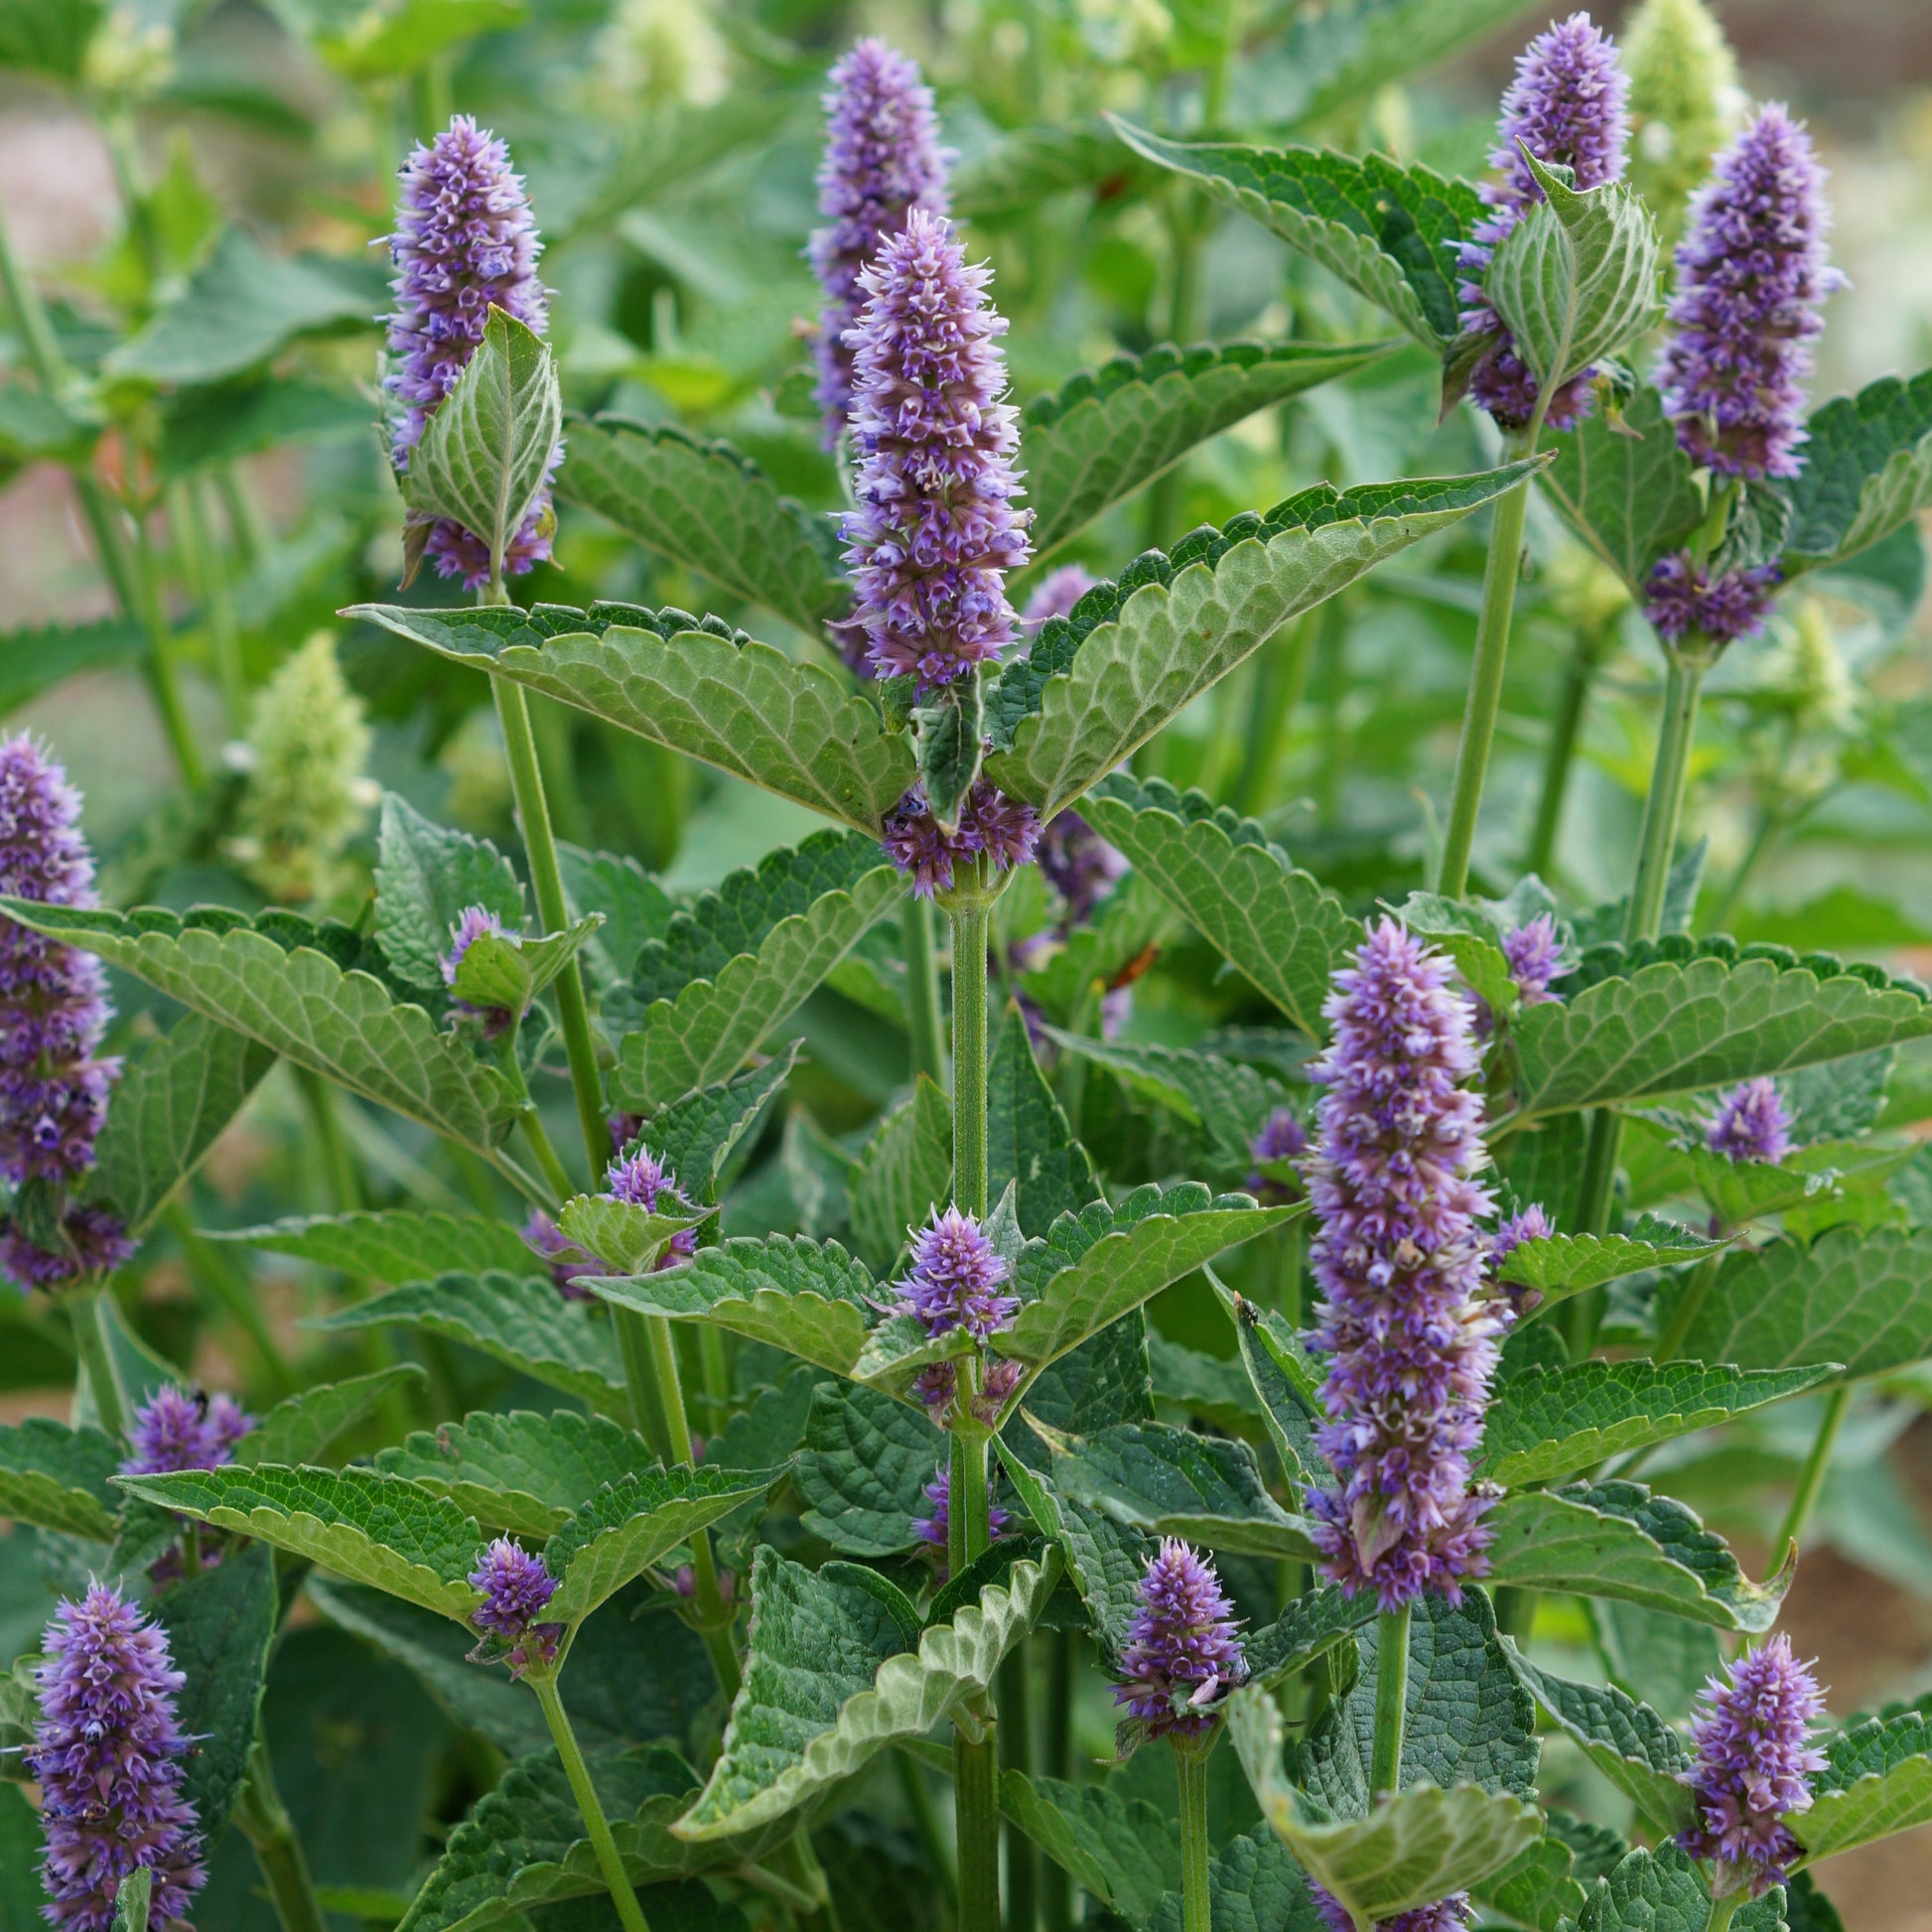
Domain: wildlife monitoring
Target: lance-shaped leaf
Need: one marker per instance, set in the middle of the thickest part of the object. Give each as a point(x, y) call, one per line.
point(1028, 1142)
point(1616, 1539)
point(57, 1477)
point(1862, 1299)
point(702, 504)
point(1627, 1741)
point(696, 1137)
point(948, 735)
point(809, 1297)
point(1578, 277)
point(132, 1898)
point(627, 1238)
point(1236, 886)
point(1665, 1891)
point(628, 1525)
point(703, 1034)
point(863, 1470)
point(1867, 469)
point(1254, 1884)
point(1557, 1265)
point(635, 908)
point(1876, 1781)
point(1550, 1423)
point(371, 1528)
point(1107, 432)
point(693, 686)
point(1122, 1850)
point(1181, 623)
point(1535, 1889)
point(1310, 1627)
point(904, 1172)
point(838, 1669)
point(427, 875)
point(1390, 233)
point(396, 1244)
point(1102, 1263)
point(482, 458)
point(1105, 1558)
point(297, 1430)
point(519, 1321)
point(523, 1471)
point(297, 1001)
point(1679, 1014)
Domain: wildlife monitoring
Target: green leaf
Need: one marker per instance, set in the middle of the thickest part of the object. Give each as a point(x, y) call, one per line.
point(57, 1477)
point(693, 686)
point(1565, 1264)
point(49, 36)
point(395, 1244)
point(1122, 1850)
point(702, 504)
point(1627, 1741)
point(1578, 277)
point(36, 658)
point(202, 429)
point(1107, 432)
point(298, 1002)
point(1674, 1015)
point(505, 974)
point(427, 875)
point(835, 1674)
point(1655, 1656)
point(1105, 1559)
point(713, 1023)
point(371, 1528)
point(523, 1471)
point(863, 1472)
point(297, 1430)
point(634, 905)
point(1664, 1891)
point(1550, 1423)
point(1190, 620)
point(904, 1172)
point(1254, 1886)
point(1237, 887)
point(131, 1900)
point(1867, 470)
point(20, 1895)
point(1615, 1539)
point(948, 732)
point(517, 1320)
point(1310, 1627)
point(242, 308)
point(1286, 1381)
point(1535, 1889)
point(406, 35)
point(627, 1238)
point(696, 1137)
point(1026, 165)
point(483, 454)
point(1861, 1299)
point(1876, 1781)
point(1029, 1140)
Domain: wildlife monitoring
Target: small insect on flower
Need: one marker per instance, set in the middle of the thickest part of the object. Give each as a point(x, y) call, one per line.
point(516, 1588)
point(1183, 1654)
point(175, 1429)
point(955, 1279)
point(641, 1179)
point(937, 1529)
point(1750, 1124)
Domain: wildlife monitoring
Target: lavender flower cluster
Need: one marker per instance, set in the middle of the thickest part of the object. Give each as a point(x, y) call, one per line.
point(641, 1179)
point(1751, 1124)
point(517, 1589)
point(1183, 1654)
point(937, 1529)
point(991, 826)
point(178, 1430)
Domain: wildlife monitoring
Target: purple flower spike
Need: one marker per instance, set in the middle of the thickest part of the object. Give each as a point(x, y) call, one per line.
point(94, 1238)
point(1751, 1124)
point(937, 1529)
point(1753, 1766)
point(108, 1752)
point(1682, 598)
point(516, 1587)
point(1566, 106)
point(936, 1384)
point(1000, 829)
point(1532, 1225)
point(1448, 1915)
point(1078, 864)
point(955, 1278)
point(1535, 956)
point(1400, 1262)
point(1750, 275)
point(641, 1179)
point(1056, 594)
point(936, 529)
point(465, 243)
point(1281, 1138)
point(175, 1430)
point(1183, 1654)
point(568, 1262)
point(882, 159)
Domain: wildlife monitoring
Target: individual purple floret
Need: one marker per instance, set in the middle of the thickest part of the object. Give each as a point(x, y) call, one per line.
point(1056, 594)
point(1532, 1225)
point(641, 1179)
point(1448, 1915)
point(1535, 955)
point(1750, 276)
point(472, 924)
point(1078, 864)
point(882, 159)
point(1182, 1653)
point(1683, 598)
point(1400, 1262)
point(176, 1430)
point(937, 1529)
point(955, 1279)
point(1752, 1767)
point(1281, 1138)
point(569, 1264)
point(95, 1240)
point(517, 1588)
point(1567, 106)
point(107, 1751)
point(465, 243)
point(936, 1383)
point(1751, 1124)
point(991, 825)
point(936, 529)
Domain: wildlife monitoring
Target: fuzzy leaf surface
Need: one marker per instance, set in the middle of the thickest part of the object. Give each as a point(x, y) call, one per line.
point(394, 1245)
point(1876, 1781)
point(1029, 1140)
point(627, 1238)
point(1867, 470)
point(1121, 1849)
point(696, 1137)
point(427, 875)
point(1567, 1264)
point(863, 1470)
point(1664, 1891)
point(904, 1170)
point(297, 1430)
point(57, 1477)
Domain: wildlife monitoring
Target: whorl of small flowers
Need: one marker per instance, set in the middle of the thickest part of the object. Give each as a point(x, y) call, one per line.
point(177, 1430)
point(1401, 1263)
point(1532, 1225)
point(1182, 1653)
point(1281, 1137)
point(1750, 276)
point(107, 1751)
point(937, 1529)
point(465, 243)
point(1751, 1124)
point(936, 1384)
point(1753, 1766)
point(1567, 106)
point(1001, 830)
point(1684, 100)
point(568, 1262)
point(936, 529)
point(1447, 1915)
point(1682, 598)
point(1078, 864)
point(641, 1179)
point(955, 1279)
point(306, 794)
point(1535, 955)
point(517, 1588)
point(93, 1239)
point(1056, 594)
point(882, 159)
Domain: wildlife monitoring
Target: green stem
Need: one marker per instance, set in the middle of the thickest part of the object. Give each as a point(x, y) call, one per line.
point(924, 1022)
point(87, 1312)
point(976, 1805)
point(924, 1814)
point(1670, 1344)
point(1811, 1479)
point(1723, 1911)
point(1559, 755)
point(338, 1159)
point(36, 330)
point(209, 1265)
point(1056, 1762)
point(1391, 1702)
point(1280, 681)
point(163, 680)
point(1015, 1692)
point(266, 1825)
point(203, 565)
point(969, 924)
point(1191, 1761)
point(629, 1912)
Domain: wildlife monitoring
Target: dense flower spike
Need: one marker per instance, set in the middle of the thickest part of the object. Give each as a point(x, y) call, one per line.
point(108, 1752)
point(1003, 830)
point(937, 1529)
point(1183, 1654)
point(641, 1179)
point(568, 1262)
point(1751, 1124)
point(177, 1430)
point(936, 529)
point(955, 1279)
point(1682, 598)
point(1056, 594)
point(1532, 1225)
point(1750, 275)
point(882, 159)
point(1448, 1915)
point(1535, 955)
point(1078, 864)
point(1566, 106)
point(1400, 1263)
point(465, 243)
point(1753, 1766)
point(1281, 1138)
point(516, 1587)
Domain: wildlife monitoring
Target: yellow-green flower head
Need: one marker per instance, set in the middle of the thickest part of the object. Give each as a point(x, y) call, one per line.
point(130, 59)
point(1685, 102)
point(1809, 671)
point(662, 52)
